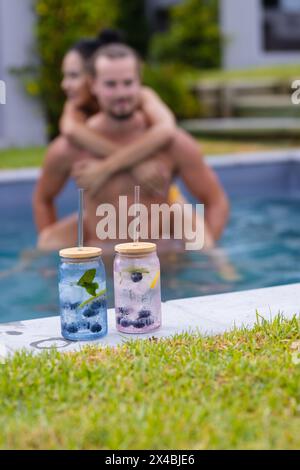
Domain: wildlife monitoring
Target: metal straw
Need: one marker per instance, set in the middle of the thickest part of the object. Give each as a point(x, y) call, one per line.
point(137, 209)
point(80, 218)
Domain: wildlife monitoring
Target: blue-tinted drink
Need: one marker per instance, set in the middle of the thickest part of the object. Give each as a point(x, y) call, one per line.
point(82, 294)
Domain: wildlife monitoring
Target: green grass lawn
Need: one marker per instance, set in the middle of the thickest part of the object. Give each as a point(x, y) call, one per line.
point(238, 390)
point(33, 157)
point(21, 158)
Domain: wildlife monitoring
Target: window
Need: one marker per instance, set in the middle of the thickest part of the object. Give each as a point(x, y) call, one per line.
point(281, 25)
point(162, 19)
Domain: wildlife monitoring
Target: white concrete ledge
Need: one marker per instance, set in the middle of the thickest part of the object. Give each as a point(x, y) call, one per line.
point(208, 315)
point(21, 174)
point(255, 158)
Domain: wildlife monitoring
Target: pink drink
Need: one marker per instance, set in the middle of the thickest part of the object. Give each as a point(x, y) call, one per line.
point(137, 288)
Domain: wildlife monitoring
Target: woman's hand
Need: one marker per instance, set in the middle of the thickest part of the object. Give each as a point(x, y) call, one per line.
point(91, 175)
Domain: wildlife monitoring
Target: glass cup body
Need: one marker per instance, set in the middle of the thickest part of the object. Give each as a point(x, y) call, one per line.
point(137, 292)
point(82, 296)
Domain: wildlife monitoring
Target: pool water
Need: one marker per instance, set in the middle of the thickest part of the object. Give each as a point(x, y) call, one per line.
point(261, 244)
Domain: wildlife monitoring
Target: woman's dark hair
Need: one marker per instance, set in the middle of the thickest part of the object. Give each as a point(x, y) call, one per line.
point(86, 47)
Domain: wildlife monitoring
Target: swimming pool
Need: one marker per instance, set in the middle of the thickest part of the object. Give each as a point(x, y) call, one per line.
point(262, 240)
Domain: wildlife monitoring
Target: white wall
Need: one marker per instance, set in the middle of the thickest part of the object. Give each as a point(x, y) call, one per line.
point(241, 24)
point(1, 77)
point(22, 121)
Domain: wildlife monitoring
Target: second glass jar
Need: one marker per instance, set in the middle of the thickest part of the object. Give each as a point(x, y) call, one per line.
point(137, 287)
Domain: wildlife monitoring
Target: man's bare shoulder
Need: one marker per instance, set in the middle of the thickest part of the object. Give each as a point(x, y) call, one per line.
point(58, 155)
point(183, 144)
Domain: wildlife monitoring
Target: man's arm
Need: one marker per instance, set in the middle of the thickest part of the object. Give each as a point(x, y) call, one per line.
point(202, 182)
point(56, 170)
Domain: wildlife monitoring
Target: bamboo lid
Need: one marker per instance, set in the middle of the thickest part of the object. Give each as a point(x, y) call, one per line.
point(135, 248)
point(77, 253)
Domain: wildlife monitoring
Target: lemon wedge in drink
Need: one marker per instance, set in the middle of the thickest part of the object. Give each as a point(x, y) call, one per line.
point(154, 281)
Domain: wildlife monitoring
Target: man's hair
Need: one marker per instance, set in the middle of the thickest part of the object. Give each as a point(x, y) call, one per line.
point(114, 51)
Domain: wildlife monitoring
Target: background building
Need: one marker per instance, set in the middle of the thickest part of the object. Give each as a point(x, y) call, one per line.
point(255, 33)
point(21, 119)
point(260, 32)
point(158, 13)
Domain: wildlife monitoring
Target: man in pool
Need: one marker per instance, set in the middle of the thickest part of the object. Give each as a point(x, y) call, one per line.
point(117, 86)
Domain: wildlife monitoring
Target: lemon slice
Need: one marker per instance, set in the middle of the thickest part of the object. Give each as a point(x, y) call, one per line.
point(153, 283)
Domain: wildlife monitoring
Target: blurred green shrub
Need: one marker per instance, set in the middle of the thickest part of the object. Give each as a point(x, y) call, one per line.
point(194, 36)
point(60, 24)
point(133, 22)
point(170, 82)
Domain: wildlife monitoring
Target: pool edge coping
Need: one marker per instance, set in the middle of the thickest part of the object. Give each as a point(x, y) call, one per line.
point(217, 160)
point(208, 315)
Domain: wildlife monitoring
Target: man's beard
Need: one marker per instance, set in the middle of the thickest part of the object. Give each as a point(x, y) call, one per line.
point(121, 117)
